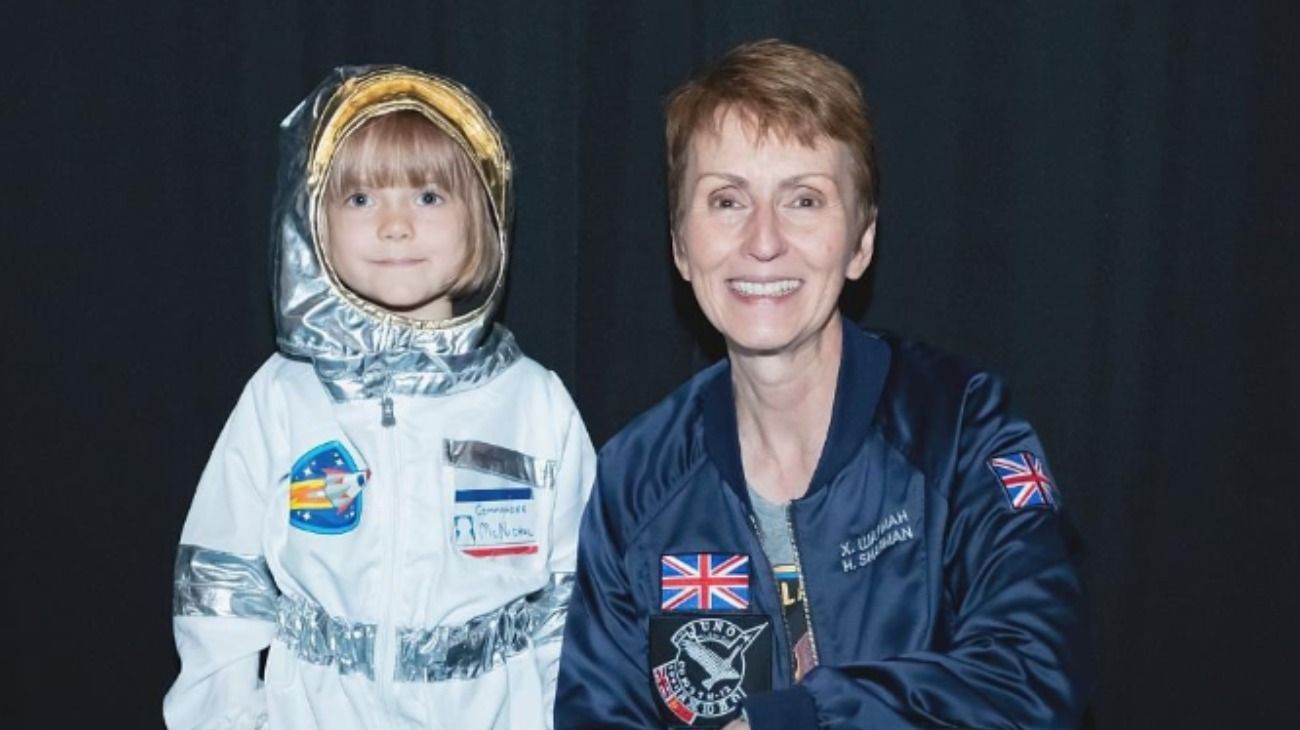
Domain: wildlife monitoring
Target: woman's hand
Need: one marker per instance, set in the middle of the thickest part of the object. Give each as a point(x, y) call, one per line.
point(736, 725)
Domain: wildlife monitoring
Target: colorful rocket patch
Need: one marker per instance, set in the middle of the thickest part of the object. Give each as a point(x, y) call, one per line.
point(489, 523)
point(325, 490)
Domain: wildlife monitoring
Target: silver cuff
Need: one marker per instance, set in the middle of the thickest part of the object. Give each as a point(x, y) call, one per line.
point(216, 583)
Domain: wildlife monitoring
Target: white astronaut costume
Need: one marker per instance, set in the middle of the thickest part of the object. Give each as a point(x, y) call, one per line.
point(393, 506)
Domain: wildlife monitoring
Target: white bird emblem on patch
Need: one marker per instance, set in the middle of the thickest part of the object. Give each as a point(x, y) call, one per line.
point(719, 668)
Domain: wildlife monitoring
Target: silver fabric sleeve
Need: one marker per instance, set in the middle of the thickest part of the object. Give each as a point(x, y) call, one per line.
point(485, 641)
point(216, 583)
point(319, 638)
point(502, 462)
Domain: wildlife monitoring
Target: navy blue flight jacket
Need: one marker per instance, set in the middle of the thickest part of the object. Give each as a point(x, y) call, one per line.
point(971, 614)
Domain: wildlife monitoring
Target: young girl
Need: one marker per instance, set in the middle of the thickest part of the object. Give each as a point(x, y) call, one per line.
point(392, 507)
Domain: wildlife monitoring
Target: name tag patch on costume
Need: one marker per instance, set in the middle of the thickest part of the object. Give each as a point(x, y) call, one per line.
point(704, 582)
point(1024, 481)
point(488, 523)
point(703, 666)
point(325, 490)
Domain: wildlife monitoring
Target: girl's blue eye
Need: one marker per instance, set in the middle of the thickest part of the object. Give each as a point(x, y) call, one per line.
point(358, 200)
point(428, 197)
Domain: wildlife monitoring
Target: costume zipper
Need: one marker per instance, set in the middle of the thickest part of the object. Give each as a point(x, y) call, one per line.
point(803, 585)
point(386, 649)
point(785, 625)
point(387, 417)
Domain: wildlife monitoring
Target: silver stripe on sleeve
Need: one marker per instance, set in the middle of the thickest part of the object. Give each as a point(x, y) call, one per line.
point(485, 641)
point(319, 638)
point(217, 583)
point(500, 461)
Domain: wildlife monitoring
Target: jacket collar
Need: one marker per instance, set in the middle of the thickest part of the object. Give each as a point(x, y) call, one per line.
point(864, 363)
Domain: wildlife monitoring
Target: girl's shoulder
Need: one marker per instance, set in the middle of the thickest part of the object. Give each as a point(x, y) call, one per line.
point(285, 380)
point(529, 380)
point(281, 369)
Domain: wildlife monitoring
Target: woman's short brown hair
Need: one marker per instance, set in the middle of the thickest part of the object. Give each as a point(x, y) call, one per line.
point(778, 88)
point(405, 148)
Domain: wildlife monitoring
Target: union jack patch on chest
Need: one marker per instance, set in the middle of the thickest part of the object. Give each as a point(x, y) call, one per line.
point(1024, 480)
point(704, 582)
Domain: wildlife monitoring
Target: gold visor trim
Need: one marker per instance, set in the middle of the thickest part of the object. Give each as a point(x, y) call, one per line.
point(451, 106)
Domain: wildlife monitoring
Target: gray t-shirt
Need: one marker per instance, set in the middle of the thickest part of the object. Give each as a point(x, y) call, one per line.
point(773, 529)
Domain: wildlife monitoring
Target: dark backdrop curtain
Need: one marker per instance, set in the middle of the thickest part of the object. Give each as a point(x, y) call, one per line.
point(1097, 199)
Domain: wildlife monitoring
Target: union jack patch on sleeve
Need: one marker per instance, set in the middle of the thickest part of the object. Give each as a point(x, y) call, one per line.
point(704, 582)
point(1024, 480)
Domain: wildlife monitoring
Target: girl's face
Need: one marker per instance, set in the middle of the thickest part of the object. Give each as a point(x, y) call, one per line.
point(400, 247)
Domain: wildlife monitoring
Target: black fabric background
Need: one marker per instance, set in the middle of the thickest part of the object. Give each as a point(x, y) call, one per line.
point(1096, 199)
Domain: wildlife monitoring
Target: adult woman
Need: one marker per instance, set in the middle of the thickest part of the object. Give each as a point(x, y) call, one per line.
point(831, 528)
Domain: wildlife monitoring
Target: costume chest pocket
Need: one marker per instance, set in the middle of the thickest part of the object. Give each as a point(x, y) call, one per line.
point(501, 499)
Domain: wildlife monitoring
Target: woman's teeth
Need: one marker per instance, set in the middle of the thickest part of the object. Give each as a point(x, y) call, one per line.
point(764, 288)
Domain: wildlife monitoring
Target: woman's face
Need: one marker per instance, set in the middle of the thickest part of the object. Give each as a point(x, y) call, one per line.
point(768, 233)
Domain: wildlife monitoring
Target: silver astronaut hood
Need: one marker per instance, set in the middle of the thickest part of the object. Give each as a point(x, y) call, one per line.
point(361, 350)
